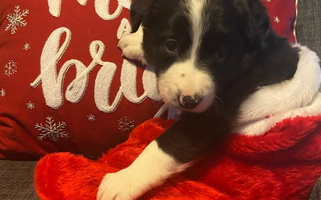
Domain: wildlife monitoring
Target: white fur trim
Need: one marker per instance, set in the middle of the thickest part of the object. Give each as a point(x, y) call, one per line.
point(149, 170)
point(296, 97)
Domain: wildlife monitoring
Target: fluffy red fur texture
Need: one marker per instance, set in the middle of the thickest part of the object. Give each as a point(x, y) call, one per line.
point(282, 164)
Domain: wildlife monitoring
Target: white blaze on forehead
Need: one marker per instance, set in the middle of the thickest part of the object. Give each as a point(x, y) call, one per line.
point(197, 20)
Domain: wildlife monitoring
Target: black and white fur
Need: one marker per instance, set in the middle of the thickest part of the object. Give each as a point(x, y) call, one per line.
point(209, 57)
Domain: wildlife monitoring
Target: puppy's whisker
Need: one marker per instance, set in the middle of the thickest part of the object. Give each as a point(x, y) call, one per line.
point(218, 104)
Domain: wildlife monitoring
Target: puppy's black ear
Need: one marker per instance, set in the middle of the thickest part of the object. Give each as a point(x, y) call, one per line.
point(138, 11)
point(256, 23)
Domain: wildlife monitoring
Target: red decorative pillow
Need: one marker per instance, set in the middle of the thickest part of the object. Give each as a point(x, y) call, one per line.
point(283, 17)
point(64, 85)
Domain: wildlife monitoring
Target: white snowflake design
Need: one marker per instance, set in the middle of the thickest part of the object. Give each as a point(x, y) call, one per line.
point(2, 92)
point(16, 19)
point(277, 19)
point(126, 124)
point(91, 117)
point(30, 105)
point(26, 46)
point(52, 130)
point(10, 68)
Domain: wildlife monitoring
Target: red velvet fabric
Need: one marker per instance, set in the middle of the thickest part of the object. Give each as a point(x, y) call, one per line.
point(282, 164)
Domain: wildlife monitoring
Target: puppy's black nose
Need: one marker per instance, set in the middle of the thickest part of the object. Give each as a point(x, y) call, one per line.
point(190, 102)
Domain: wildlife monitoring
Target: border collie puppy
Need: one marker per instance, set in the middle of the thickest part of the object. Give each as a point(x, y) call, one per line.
point(209, 57)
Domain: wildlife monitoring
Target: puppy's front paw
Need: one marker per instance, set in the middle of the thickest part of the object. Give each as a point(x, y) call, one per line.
point(119, 186)
point(131, 45)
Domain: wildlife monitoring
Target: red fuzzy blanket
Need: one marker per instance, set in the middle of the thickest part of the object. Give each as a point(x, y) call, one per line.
point(280, 164)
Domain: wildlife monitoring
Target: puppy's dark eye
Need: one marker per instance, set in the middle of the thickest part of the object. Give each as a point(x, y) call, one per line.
point(221, 53)
point(171, 46)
